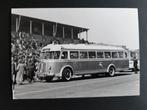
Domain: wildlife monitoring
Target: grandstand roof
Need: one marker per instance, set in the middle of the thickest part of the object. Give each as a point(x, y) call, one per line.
point(80, 29)
point(57, 47)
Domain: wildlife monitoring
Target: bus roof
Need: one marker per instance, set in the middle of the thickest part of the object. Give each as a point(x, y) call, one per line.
point(58, 47)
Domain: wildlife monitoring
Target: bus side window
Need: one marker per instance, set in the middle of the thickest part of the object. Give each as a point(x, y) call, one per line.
point(92, 54)
point(56, 54)
point(100, 55)
point(64, 55)
point(120, 54)
point(74, 54)
point(83, 55)
point(114, 55)
point(107, 55)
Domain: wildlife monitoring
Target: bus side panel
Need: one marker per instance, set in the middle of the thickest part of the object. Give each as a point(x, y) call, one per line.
point(93, 65)
point(119, 64)
point(83, 67)
point(78, 67)
point(88, 67)
point(74, 66)
point(59, 65)
point(101, 66)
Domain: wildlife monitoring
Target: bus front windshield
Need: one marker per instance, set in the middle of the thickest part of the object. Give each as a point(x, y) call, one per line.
point(50, 55)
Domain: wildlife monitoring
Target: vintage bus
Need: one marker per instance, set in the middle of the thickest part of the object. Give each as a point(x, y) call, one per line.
point(66, 60)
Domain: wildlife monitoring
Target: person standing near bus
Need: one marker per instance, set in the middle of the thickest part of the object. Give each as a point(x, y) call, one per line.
point(31, 69)
point(25, 76)
point(135, 64)
point(13, 72)
point(21, 72)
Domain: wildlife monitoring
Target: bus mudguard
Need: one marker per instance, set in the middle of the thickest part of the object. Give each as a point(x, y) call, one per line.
point(110, 66)
point(66, 66)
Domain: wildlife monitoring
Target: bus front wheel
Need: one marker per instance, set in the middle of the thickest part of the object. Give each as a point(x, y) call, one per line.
point(111, 71)
point(66, 74)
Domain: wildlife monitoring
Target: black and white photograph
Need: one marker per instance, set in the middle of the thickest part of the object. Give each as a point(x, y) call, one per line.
point(74, 52)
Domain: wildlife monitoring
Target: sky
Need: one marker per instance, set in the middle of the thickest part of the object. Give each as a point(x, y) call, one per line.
point(116, 26)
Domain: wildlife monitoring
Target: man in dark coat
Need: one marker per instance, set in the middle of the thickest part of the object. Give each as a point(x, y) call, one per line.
point(31, 70)
point(25, 77)
point(135, 64)
point(13, 70)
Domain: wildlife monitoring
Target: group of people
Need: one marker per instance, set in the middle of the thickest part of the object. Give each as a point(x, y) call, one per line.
point(24, 57)
point(23, 70)
point(24, 45)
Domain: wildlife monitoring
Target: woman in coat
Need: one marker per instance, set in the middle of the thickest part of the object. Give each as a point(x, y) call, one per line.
point(13, 72)
point(21, 72)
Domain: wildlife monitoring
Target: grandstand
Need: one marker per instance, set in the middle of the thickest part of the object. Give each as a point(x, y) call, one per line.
point(46, 32)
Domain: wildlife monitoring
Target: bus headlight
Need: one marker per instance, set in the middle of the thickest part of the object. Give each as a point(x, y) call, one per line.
point(49, 68)
point(49, 71)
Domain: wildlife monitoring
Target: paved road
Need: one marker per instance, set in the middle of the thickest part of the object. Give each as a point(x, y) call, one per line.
point(124, 84)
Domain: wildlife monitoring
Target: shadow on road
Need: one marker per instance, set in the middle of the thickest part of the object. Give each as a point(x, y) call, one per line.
point(98, 76)
point(87, 77)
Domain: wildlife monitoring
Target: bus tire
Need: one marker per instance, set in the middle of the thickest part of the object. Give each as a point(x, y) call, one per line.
point(111, 71)
point(48, 78)
point(66, 74)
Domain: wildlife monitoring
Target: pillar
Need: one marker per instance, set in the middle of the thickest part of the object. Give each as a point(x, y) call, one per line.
point(63, 33)
point(72, 33)
point(86, 35)
point(16, 24)
point(43, 29)
point(30, 27)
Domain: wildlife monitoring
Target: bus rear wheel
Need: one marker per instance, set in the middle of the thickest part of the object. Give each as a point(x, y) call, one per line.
point(66, 74)
point(111, 71)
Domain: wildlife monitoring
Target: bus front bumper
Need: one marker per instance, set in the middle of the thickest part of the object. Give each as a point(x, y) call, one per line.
point(46, 74)
point(43, 75)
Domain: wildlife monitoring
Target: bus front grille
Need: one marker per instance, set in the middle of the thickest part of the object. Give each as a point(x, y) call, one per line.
point(42, 67)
